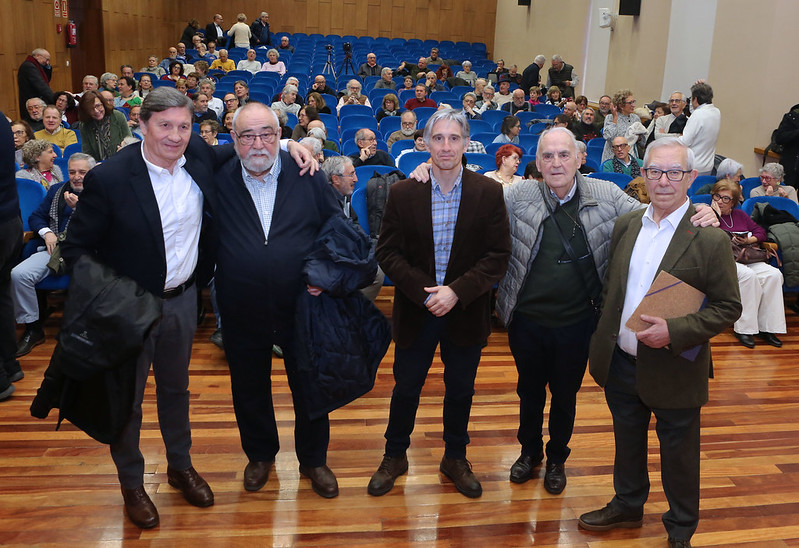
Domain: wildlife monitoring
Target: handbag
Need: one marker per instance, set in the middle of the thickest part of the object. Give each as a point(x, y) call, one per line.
point(751, 253)
point(56, 263)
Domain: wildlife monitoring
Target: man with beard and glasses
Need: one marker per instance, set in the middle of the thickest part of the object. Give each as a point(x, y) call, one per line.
point(268, 218)
point(406, 131)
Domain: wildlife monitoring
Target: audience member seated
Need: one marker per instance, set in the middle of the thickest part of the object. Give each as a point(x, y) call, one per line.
point(369, 154)
point(209, 129)
point(35, 111)
point(223, 63)
point(466, 74)
point(386, 81)
point(249, 64)
point(513, 75)
point(314, 146)
point(23, 133)
point(728, 169)
point(582, 152)
point(283, 120)
point(408, 126)
point(443, 73)
point(145, 85)
point(562, 120)
point(605, 103)
point(49, 221)
point(554, 97)
point(227, 121)
point(287, 101)
point(507, 159)
point(517, 103)
point(203, 55)
point(128, 96)
point(504, 95)
point(153, 67)
point(370, 67)
point(509, 131)
point(622, 116)
point(582, 103)
point(416, 71)
point(316, 100)
point(390, 107)
point(479, 85)
point(570, 110)
point(133, 121)
point(434, 58)
point(658, 109)
point(320, 86)
point(421, 99)
point(531, 171)
point(291, 81)
point(272, 64)
point(169, 59)
point(67, 106)
point(431, 83)
point(175, 72)
point(201, 110)
point(284, 44)
point(306, 114)
point(207, 86)
point(53, 131)
point(108, 81)
point(39, 158)
point(353, 96)
point(318, 130)
point(418, 145)
point(89, 83)
point(760, 283)
point(102, 128)
point(771, 183)
point(242, 91)
point(181, 47)
point(182, 86)
point(469, 106)
point(622, 161)
point(231, 103)
point(212, 51)
point(487, 102)
point(586, 130)
point(535, 96)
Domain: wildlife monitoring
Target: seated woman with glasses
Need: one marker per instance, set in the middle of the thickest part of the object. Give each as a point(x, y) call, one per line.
point(771, 177)
point(760, 283)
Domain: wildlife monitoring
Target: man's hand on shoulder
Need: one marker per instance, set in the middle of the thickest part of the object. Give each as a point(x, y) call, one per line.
point(305, 160)
point(704, 216)
point(421, 173)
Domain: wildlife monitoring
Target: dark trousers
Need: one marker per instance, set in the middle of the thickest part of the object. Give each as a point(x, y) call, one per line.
point(410, 371)
point(249, 355)
point(553, 356)
point(168, 349)
point(10, 248)
point(678, 434)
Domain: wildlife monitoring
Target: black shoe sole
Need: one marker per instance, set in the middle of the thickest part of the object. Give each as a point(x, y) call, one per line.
point(5, 394)
point(18, 376)
point(618, 525)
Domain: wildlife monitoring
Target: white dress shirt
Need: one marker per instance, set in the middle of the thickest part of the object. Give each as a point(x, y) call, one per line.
point(700, 135)
point(180, 205)
point(650, 247)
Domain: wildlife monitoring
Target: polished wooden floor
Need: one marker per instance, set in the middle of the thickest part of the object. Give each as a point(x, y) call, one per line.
point(60, 488)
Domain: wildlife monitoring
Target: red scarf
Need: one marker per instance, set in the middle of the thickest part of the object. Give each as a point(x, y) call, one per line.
point(36, 64)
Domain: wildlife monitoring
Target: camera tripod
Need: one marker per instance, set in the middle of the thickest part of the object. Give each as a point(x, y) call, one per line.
point(346, 65)
point(328, 68)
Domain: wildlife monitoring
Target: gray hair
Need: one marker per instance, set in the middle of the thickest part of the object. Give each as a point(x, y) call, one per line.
point(540, 59)
point(288, 89)
point(269, 52)
point(466, 64)
point(488, 87)
point(360, 134)
point(92, 77)
point(557, 58)
point(773, 169)
point(446, 115)
point(670, 142)
point(208, 81)
point(78, 156)
point(33, 149)
point(129, 140)
point(555, 130)
point(318, 133)
point(264, 14)
point(335, 165)
point(35, 99)
point(580, 146)
point(164, 98)
point(39, 51)
point(254, 104)
point(314, 145)
point(385, 70)
point(469, 94)
point(727, 168)
point(410, 113)
point(108, 76)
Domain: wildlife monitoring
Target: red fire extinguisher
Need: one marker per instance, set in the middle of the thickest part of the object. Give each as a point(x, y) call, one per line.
point(72, 35)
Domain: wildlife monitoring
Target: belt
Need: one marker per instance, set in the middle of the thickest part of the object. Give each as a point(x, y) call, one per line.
point(179, 290)
point(629, 357)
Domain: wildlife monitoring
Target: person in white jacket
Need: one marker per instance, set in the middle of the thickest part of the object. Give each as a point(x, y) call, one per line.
point(702, 129)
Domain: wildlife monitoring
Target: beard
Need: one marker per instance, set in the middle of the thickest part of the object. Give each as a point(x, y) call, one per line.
point(408, 131)
point(257, 161)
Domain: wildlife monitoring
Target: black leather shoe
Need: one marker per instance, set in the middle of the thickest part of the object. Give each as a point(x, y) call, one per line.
point(460, 472)
point(322, 479)
point(140, 508)
point(522, 469)
point(256, 474)
point(6, 391)
point(30, 339)
point(674, 543)
point(14, 372)
point(389, 470)
point(555, 478)
point(608, 518)
point(216, 338)
point(770, 338)
point(194, 488)
point(747, 340)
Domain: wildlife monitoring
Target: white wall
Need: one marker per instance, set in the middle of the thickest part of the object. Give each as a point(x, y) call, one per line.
point(689, 45)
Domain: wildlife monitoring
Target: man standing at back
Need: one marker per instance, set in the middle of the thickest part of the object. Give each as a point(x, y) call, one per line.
point(268, 218)
point(702, 128)
point(532, 74)
point(33, 78)
point(444, 244)
point(141, 214)
point(562, 75)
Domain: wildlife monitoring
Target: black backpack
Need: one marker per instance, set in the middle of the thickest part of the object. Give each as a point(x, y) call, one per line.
point(376, 196)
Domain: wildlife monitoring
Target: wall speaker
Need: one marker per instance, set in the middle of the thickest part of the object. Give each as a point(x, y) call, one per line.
point(630, 7)
point(524, 2)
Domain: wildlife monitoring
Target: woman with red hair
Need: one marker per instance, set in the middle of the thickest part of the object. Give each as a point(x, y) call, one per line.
point(507, 158)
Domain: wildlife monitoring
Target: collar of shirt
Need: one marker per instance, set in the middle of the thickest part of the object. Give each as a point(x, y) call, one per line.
point(271, 175)
point(673, 218)
point(437, 187)
point(569, 195)
point(158, 171)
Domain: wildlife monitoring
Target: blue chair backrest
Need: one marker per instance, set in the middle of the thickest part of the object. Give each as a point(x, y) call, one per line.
point(785, 204)
point(547, 111)
point(72, 149)
point(355, 110)
point(411, 160)
point(328, 153)
point(748, 184)
point(619, 179)
point(485, 161)
point(399, 146)
point(390, 124)
point(376, 95)
point(528, 142)
point(538, 127)
point(479, 126)
point(358, 202)
point(358, 122)
point(31, 195)
point(523, 161)
point(422, 114)
point(493, 116)
point(699, 182)
point(492, 148)
point(485, 138)
point(702, 199)
point(367, 172)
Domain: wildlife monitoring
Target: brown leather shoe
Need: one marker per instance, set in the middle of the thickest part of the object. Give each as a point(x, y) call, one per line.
point(322, 479)
point(389, 470)
point(460, 472)
point(140, 509)
point(194, 488)
point(256, 474)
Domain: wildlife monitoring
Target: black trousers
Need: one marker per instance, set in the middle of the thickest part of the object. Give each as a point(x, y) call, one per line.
point(554, 357)
point(249, 354)
point(10, 248)
point(410, 372)
point(678, 434)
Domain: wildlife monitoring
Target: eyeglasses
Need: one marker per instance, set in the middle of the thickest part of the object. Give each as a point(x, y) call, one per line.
point(767, 178)
point(722, 199)
point(249, 138)
point(674, 175)
point(676, 101)
point(231, 100)
point(629, 102)
point(368, 139)
point(620, 147)
point(19, 132)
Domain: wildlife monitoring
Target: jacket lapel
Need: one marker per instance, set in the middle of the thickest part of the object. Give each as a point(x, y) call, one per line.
point(682, 238)
point(467, 211)
point(142, 187)
point(625, 249)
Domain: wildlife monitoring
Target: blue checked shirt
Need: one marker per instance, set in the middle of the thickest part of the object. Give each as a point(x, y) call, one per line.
point(263, 194)
point(445, 214)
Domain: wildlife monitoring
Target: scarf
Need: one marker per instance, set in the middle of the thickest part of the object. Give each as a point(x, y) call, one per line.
point(618, 167)
point(39, 176)
point(103, 134)
point(42, 71)
point(390, 112)
point(57, 205)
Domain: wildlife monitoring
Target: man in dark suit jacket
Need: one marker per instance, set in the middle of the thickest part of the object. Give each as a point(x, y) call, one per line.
point(214, 32)
point(444, 244)
point(664, 368)
point(268, 218)
point(141, 214)
point(33, 78)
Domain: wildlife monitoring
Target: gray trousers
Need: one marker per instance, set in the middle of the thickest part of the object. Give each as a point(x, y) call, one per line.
point(168, 350)
point(24, 278)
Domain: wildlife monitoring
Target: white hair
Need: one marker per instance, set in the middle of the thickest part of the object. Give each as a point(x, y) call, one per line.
point(727, 168)
point(540, 59)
